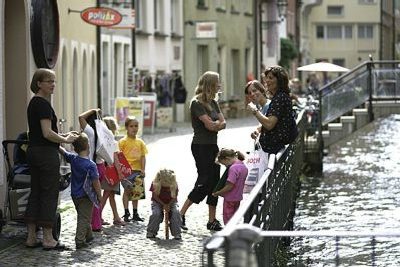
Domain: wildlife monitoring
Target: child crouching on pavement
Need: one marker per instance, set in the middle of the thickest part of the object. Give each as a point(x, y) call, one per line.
point(164, 197)
point(82, 167)
point(232, 191)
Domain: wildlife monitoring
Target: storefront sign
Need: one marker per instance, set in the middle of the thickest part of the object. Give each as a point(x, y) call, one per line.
point(128, 19)
point(101, 16)
point(206, 30)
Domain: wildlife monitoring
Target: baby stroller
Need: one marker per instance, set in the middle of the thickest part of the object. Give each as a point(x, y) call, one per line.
point(18, 184)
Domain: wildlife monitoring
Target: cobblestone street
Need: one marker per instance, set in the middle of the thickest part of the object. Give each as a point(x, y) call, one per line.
point(128, 245)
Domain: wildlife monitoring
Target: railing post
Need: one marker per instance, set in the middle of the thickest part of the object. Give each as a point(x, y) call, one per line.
point(337, 259)
point(320, 137)
point(370, 66)
point(240, 246)
point(373, 244)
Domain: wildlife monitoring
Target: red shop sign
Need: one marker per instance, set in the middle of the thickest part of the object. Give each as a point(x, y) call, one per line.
point(101, 16)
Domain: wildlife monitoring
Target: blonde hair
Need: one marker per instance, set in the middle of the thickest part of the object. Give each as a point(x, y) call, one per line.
point(165, 178)
point(111, 123)
point(206, 88)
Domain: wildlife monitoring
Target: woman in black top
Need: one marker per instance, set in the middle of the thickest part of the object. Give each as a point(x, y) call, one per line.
point(278, 125)
point(207, 120)
point(43, 159)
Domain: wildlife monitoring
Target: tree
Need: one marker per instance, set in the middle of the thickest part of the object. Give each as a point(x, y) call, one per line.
point(288, 52)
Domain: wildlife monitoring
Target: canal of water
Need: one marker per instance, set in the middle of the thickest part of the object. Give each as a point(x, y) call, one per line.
point(359, 191)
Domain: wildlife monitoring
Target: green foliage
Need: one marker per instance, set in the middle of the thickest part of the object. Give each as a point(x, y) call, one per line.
point(288, 52)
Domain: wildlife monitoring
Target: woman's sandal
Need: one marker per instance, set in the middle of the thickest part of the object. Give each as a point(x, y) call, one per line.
point(34, 245)
point(119, 222)
point(58, 246)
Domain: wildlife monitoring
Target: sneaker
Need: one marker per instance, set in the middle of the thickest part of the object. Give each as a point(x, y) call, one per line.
point(126, 217)
point(135, 217)
point(183, 225)
point(214, 225)
point(150, 235)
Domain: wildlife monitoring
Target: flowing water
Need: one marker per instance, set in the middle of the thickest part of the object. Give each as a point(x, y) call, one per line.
point(359, 191)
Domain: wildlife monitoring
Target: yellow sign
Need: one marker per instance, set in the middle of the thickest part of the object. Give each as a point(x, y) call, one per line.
point(129, 106)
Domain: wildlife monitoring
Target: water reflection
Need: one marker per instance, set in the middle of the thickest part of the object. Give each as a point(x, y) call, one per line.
point(359, 191)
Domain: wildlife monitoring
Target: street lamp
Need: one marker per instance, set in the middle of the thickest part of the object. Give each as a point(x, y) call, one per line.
point(282, 12)
point(282, 8)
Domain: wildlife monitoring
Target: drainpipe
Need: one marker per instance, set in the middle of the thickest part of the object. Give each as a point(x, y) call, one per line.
point(98, 60)
point(133, 41)
point(256, 39)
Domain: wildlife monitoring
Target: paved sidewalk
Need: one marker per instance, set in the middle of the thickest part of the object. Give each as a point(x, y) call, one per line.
point(127, 245)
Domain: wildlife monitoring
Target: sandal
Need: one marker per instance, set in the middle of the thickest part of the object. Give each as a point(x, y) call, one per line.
point(58, 246)
point(119, 222)
point(34, 245)
point(104, 223)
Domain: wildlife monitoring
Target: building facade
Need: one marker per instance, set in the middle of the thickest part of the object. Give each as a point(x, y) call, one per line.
point(347, 32)
point(76, 89)
point(42, 34)
point(219, 36)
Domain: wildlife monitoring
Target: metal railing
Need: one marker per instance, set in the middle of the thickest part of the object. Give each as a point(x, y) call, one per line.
point(371, 80)
point(269, 206)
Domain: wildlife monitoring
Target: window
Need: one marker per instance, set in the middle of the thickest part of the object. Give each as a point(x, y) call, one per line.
point(348, 32)
point(339, 61)
point(334, 32)
point(365, 32)
point(202, 4)
point(335, 10)
point(158, 16)
point(140, 11)
point(320, 32)
point(366, 2)
point(175, 17)
point(220, 5)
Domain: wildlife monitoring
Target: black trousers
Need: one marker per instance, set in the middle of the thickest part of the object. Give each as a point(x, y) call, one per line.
point(44, 164)
point(207, 173)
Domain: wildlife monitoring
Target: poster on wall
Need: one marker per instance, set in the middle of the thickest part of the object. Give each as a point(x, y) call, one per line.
point(129, 106)
point(149, 110)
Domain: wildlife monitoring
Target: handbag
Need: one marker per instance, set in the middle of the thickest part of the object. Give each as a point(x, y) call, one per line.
point(137, 191)
point(90, 192)
point(256, 162)
point(106, 144)
point(111, 175)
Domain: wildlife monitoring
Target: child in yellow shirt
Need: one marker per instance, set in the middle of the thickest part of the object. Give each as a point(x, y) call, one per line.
point(135, 151)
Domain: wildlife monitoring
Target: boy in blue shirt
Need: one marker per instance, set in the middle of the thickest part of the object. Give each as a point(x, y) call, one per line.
point(82, 167)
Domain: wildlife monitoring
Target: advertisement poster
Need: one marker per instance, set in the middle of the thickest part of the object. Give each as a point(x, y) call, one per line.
point(149, 110)
point(129, 106)
point(164, 117)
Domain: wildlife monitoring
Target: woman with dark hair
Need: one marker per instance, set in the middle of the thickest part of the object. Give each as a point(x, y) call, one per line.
point(256, 93)
point(278, 125)
point(207, 121)
point(43, 160)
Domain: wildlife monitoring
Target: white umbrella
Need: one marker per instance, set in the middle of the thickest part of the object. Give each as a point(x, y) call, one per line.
point(323, 66)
